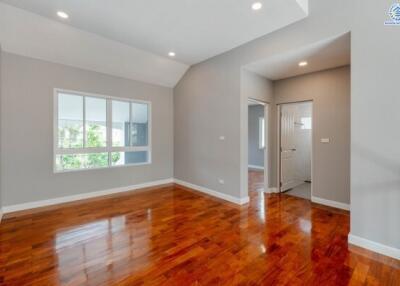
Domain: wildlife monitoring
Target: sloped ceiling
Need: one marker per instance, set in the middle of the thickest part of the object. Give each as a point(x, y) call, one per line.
point(131, 39)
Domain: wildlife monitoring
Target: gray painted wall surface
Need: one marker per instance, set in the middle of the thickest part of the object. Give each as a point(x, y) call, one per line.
point(204, 110)
point(212, 88)
point(256, 155)
point(257, 87)
point(27, 117)
point(375, 118)
point(1, 120)
point(330, 92)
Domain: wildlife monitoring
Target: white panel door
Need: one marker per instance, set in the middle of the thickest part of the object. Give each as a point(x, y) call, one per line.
point(296, 143)
point(288, 147)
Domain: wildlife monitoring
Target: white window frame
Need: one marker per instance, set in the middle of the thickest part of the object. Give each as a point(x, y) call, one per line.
point(261, 132)
point(304, 124)
point(109, 148)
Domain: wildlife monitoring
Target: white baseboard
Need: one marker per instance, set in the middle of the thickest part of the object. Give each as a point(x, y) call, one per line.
point(330, 203)
point(1, 214)
point(374, 246)
point(256, 167)
point(229, 198)
point(56, 201)
point(272, 190)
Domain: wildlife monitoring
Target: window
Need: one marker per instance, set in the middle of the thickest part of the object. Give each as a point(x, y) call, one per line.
point(261, 132)
point(95, 131)
point(306, 123)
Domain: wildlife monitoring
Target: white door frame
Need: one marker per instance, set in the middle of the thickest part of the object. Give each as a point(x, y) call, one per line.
point(266, 135)
point(279, 118)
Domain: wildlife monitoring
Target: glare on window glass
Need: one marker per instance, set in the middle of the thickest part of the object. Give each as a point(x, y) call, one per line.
point(120, 123)
point(306, 123)
point(96, 126)
point(126, 158)
point(140, 125)
point(261, 133)
point(70, 121)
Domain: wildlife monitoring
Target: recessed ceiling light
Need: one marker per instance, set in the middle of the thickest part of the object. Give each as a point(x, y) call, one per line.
point(62, 14)
point(303, 64)
point(256, 6)
point(171, 54)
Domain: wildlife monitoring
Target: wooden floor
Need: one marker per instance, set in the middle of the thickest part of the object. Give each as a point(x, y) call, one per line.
point(172, 236)
point(256, 180)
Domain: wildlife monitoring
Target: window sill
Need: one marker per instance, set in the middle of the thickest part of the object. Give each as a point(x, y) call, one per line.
point(101, 168)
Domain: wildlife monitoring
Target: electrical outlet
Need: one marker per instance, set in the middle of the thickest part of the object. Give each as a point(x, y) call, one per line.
point(221, 181)
point(222, 138)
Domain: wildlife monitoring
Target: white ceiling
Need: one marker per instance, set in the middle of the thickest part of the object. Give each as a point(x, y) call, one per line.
point(330, 53)
point(195, 29)
point(28, 34)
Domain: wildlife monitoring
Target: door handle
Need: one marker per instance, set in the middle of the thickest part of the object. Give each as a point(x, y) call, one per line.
point(294, 149)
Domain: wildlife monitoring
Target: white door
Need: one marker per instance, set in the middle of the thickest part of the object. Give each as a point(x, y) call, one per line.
point(295, 144)
point(288, 147)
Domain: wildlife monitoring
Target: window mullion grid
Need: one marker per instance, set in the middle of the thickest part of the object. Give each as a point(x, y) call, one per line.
point(84, 130)
point(84, 122)
point(130, 149)
point(109, 148)
point(130, 125)
point(73, 151)
point(109, 129)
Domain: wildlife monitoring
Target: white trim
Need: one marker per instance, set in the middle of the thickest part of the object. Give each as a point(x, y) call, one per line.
point(108, 148)
point(61, 200)
point(272, 190)
point(279, 141)
point(56, 201)
point(229, 198)
point(1, 214)
point(374, 246)
point(256, 101)
point(261, 132)
point(244, 169)
point(330, 203)
point(256, 167)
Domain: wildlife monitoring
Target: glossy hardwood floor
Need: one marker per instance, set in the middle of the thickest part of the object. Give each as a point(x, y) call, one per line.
point(173, 236)
point(256, 180)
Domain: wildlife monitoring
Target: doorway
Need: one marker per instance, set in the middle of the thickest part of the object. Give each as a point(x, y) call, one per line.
point(296, 149)
point(257, 145)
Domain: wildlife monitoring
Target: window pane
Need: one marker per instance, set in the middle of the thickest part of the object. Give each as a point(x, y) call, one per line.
point(126, 158)
point(96, 127)
point(96, 160)
point(139, 132)
point(81, 161)
point(120, 123)
point(70, 121)
point(69, 162)
point(306, 123)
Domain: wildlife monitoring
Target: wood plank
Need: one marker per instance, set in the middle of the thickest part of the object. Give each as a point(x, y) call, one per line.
point(172, 235)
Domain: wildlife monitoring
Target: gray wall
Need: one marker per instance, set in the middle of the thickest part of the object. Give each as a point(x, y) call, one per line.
point(212, 88)
point(1, 132)
point(256, 155)
point(330, 92)
point(204, 110)
point(27, 131)
point(375, 118)
point(257, 87)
